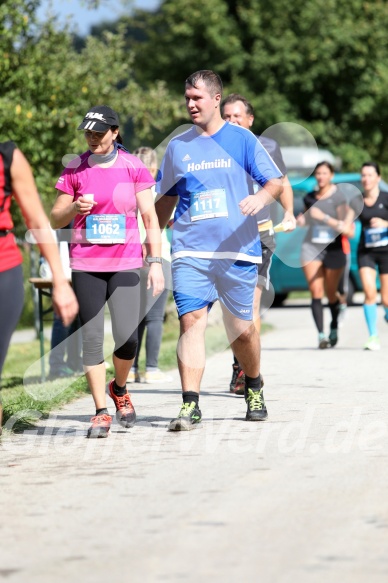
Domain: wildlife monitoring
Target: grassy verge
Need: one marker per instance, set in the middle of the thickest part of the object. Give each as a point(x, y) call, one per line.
point(296, 295)
point(25, 397)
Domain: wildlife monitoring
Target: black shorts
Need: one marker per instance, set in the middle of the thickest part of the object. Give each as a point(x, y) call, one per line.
point(331, 258)
point(372, 258)
point(267, 250)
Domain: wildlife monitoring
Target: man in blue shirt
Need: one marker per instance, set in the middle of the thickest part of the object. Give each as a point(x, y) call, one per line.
point(210, 171)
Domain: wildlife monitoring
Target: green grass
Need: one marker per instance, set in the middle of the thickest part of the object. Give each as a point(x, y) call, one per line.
point(25, 398)
point(296, 295)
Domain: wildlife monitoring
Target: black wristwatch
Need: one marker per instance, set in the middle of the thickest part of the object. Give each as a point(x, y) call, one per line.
point(154, 260)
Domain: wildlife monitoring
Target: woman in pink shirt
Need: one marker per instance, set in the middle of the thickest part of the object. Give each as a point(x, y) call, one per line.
point(102, 191)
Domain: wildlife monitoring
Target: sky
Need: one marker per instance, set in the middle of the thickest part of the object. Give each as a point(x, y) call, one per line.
point(84, 18)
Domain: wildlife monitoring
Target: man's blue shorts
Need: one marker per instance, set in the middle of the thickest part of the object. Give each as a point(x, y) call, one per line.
point(200, 282)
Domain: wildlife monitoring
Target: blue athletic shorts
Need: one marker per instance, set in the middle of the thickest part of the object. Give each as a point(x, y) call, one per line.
point(200, 282)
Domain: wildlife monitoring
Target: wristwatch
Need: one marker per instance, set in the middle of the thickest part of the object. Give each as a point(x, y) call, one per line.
point(154, 260)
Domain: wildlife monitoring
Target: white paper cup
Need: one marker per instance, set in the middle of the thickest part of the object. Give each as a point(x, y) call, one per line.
point(89, 197)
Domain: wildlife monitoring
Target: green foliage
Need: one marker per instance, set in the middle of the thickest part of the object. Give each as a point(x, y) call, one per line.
point(47, 87)
point(320, 63)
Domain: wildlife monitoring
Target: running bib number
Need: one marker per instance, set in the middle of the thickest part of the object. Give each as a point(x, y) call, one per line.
point(376, 237)
point(208, 204)
point(105, 229)
point(323, 234)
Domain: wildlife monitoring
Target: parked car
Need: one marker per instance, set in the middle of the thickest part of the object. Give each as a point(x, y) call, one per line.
point(286, 271)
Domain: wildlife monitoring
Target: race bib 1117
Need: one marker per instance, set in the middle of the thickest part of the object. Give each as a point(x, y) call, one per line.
point(208, 204)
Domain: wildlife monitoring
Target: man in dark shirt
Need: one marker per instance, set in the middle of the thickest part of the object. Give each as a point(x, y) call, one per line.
point(236, 109)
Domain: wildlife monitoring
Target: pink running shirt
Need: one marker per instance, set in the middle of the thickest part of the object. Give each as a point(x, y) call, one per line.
point(114, 190)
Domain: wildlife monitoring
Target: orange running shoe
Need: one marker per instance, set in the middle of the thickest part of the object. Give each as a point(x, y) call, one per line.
point(100, 426)
point(125, 411)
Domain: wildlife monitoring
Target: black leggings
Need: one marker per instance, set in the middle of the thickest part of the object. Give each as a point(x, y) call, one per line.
point(11, 305)
point(121, 290)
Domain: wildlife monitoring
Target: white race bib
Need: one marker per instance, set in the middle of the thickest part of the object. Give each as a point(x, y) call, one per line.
point(105, 229)
point(323, 234)
point(376, 237)
point(208, 204)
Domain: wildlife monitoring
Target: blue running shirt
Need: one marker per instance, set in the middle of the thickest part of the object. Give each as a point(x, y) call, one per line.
point(211, 175)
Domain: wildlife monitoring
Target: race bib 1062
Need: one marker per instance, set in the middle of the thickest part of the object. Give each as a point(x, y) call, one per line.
point(105, 229)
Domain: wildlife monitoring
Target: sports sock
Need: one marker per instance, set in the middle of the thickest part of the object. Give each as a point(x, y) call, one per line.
point(103, 411)
point(317, 309)
point(119, 391)
point(253, 383)
point(370, 313)
point(334, 309)
point(190, 396)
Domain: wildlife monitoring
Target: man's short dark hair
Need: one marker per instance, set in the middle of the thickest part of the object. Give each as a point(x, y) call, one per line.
point(211, 79)
point(233, 98)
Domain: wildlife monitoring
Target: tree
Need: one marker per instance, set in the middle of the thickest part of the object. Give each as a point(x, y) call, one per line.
point(320, 63)
point(47, 86)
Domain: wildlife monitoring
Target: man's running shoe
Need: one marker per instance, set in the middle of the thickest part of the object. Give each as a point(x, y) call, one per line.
point(256, 411)
point(239, 388)
point(189, 416)
point(333, 337)
point(100, 426)
point(125, 412)
point(235, 373)
point(373, 343)
point(323, 342)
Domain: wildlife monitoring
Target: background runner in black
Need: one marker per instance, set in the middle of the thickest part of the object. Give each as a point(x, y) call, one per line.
point(323, 259)
point(236, 109)
point(372, 250)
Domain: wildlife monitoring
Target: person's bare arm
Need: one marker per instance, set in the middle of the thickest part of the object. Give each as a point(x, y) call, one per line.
point(66, 208)
point(286, 199)
point(27, 197)
point(348, 223)
point(164, 206)
point(333, 222)
point(153, 243)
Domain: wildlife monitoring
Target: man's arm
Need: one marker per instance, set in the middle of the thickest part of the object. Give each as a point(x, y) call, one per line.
point(164, 206)
point(286, 199)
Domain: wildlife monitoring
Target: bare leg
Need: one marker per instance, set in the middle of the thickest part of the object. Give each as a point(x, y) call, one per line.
point(314, 274)
point(191, 349)
point(368, 280)
point(96, 377)
point(122, 368)
point(384, 289)
point(245, 342)
point(256, 307)
point(332, 279)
